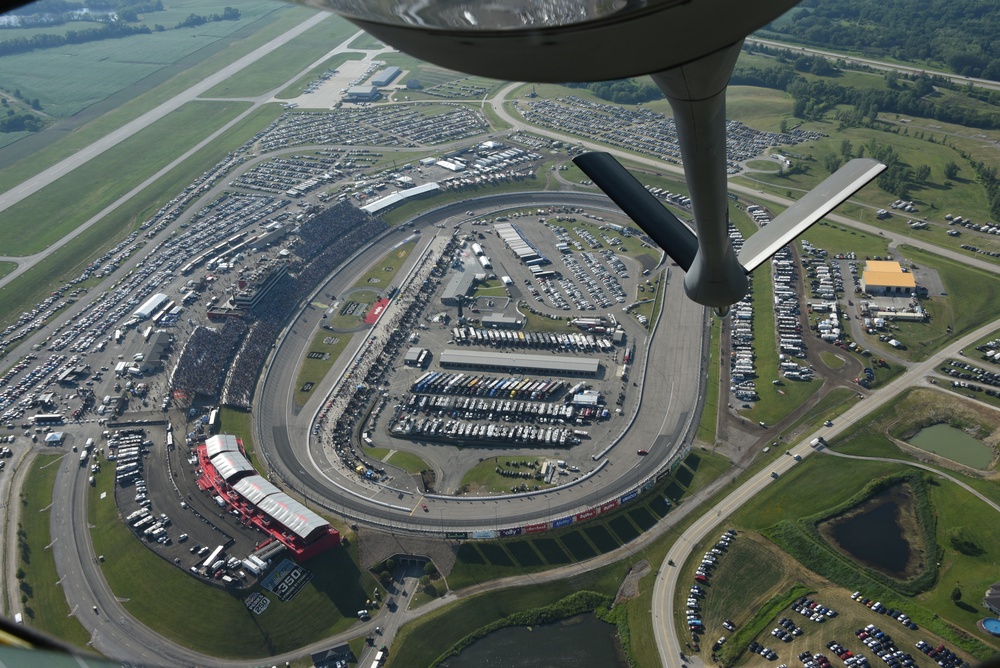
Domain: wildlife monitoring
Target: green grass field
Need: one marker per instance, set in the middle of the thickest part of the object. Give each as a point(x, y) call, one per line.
point(822, 482)
point(189, 614)
point(330, 345)
point(710, 411)
point(407, 461)
point(42, 599)
point(273, 71)
point(86, 191)
point(127, 105)
point(6, 268)
point(483, 477)
point(102, 69)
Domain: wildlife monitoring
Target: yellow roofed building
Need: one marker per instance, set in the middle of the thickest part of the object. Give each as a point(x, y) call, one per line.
point(881, 277)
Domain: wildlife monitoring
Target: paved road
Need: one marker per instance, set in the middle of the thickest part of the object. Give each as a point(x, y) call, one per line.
point(668, 577)
point(879, 65)
point(671, 388)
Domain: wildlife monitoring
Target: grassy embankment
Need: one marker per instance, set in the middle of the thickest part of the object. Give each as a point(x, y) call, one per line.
point(189, 614)
point(42, 599)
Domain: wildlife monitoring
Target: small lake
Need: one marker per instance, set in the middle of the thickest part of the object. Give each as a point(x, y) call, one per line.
point(874, 536)
point(583, 640)
point(943, 439)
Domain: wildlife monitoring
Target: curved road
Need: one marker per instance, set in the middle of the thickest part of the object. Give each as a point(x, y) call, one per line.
point(668, 577)
point(671, 390)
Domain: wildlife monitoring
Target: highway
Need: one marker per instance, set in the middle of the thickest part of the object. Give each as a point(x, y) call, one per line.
point(668, 577)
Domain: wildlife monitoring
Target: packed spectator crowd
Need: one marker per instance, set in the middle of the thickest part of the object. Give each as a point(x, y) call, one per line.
point(206, 356)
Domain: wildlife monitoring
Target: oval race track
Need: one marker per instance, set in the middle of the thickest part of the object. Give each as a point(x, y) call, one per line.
point(671, 389)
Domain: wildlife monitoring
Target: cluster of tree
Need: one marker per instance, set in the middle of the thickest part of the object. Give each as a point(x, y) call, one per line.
point(46, 13)
point(623, 91)
point(116, 27)
point(18, 95)
point(961, 35)
point(987, 175)
point(913, 96)
point(192, 20)
point(23, 122)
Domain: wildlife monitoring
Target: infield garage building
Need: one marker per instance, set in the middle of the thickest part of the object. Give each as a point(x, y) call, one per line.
point(517, 363)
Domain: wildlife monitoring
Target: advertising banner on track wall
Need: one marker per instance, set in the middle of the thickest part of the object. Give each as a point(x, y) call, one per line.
point(484, 534)
point(513, 531)
point(456, 535)
point(625, 498)
point(609, 506)
point(562, 522)
point(586, 515)
point(536, 528)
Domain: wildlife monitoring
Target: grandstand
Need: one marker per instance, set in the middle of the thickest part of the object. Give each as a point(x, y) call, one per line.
point(228, 474)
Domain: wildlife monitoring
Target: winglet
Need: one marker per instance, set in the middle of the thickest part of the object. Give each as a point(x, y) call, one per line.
point(815, 204)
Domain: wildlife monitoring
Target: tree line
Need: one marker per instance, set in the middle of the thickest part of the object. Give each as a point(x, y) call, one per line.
point(117, 27)
point(913, 95)
point(958, 35)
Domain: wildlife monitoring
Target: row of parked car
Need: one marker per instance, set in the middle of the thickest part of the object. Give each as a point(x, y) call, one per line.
point(847, 656)
point(708, 561)
point(813, 610)
point(876, 606)
point(884, 648)
point(786, 630)
point(944, 656)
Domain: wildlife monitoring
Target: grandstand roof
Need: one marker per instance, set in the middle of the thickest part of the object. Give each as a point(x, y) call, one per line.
point(292, 514)
point(520, 362)
point(279, 506)
point(221, 443)
point(231, 464)
point(254, 488)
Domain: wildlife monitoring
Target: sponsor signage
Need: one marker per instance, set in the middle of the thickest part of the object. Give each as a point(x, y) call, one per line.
point(536, 528)
point(609, 506)
point(586, 515)
point(562, 522)
point(629, 496)
point(456, 535)
point(513, 531)
point(489, 533)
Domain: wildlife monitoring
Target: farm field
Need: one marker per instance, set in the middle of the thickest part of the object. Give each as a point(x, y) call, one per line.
point(101, 69)
point(34, 153)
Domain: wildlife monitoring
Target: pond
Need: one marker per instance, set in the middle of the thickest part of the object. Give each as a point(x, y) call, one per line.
point(873, 533)
point(583, 640)
point(943, 439)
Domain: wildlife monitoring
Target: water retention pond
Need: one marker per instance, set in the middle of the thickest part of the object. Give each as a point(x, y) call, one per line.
point(583, 640)
point(947, 441)
point(882, 533)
